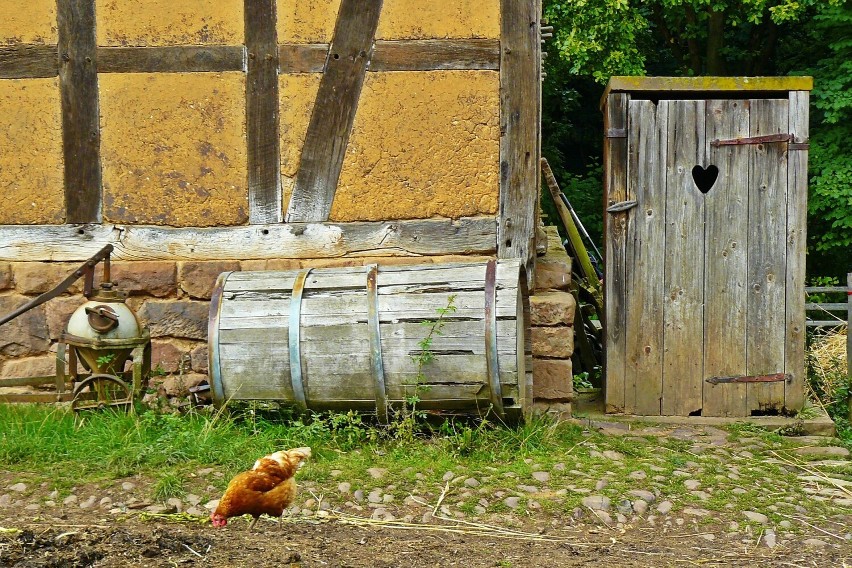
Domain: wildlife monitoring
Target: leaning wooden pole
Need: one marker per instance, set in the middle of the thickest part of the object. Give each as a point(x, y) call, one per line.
point(588, 271)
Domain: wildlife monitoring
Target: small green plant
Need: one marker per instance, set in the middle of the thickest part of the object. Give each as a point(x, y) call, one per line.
point(104, 361)
point(582, 382)
point(407, 419)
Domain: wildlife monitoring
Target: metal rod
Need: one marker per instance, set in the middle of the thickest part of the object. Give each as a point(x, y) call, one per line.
point(294, 340)
point(85, 270)
point(376, 343)
point(491, 361)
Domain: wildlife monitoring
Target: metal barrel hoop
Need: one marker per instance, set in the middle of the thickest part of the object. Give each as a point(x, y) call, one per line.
point(376, 342)
point(491, 360)
point(294, 340)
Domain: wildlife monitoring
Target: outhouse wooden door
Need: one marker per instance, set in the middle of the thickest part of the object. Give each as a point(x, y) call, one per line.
point(703, 315)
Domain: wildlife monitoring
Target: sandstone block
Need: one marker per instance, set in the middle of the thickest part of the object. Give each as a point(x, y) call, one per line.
point(39, 277)
point(552, 274)
point(199, 359)
point(552, 308)
point(198, 278)
point(553, 379)
point(332, 262)
point(41, 366)
point(152, 278)
point(179, 385)
point(59, 311)
point(553, 341)
point(25, 335)
point(6, 280)
point(181, 318)
point(253, 265)
point(283, 264)
point(166, 356)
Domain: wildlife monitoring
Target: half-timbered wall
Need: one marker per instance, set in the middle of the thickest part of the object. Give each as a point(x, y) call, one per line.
point(203, 127)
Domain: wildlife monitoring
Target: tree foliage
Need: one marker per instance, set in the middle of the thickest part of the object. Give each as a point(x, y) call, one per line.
point(595, 39)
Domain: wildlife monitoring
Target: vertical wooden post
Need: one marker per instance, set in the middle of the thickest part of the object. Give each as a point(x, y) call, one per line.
point(797, 213)
point(849, 339)
point(520, 121)
point(78, 83)
point(264, 179)
point(615, 190)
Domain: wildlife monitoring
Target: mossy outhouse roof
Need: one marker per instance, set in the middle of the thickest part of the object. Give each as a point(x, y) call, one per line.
point(705, 87)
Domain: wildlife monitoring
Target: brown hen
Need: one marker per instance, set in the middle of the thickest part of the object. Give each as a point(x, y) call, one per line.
point(267, 488)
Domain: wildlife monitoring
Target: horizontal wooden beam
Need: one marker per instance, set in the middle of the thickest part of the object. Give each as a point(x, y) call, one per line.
point(176, 59)
point(436, 54)
point(302, 58)
point(28, 61)
point(469, 235)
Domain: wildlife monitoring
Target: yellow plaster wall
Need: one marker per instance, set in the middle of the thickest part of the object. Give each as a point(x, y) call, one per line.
point(416, 19)
point(306, 21)
point(312, 21)
point(173, 148)
point(423, 144)
point(169, 22)
point(296, 94)
point(31, 174)
point(29, 21)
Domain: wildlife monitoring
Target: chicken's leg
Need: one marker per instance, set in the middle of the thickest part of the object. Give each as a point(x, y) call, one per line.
point(253, 522)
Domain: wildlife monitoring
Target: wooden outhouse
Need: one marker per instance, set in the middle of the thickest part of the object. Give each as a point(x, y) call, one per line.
point(706, 197)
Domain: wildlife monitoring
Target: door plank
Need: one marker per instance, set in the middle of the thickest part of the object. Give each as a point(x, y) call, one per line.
point(684, 271)
point(725, 261)
point(767, 253)
point(645, 255)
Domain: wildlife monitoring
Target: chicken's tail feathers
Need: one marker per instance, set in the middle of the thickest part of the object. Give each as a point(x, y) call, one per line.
point(293, 457)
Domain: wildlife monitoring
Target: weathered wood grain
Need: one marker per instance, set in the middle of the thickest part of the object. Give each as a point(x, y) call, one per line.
point(78, 80)
point(334, 111)
point(684, 267)
point(646, 183)
point(767, 253)
point(797, 212)
point(171, 59)
point(520, 119)
point(725, 260)
point(302, 57)
point(252, 326)
point(615, 289)
point(436, 54)
point(28, 61)
point(469, 235)
point(263, 160)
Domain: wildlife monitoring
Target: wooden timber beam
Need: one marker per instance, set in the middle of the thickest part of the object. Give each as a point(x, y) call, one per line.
point(264, 164)
point(28, 61)
point(419, 237)
point(78, 83)
point(172, 59)
point(520, 121)
point(334, 111)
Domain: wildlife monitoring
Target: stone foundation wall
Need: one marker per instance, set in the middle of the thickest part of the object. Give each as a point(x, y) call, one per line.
point(172, 299)
point(552, 308)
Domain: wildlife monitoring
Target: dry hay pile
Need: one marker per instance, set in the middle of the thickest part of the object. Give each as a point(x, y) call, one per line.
point(827, 360)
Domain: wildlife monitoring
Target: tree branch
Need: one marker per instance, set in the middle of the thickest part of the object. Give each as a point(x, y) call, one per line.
point(715, 42)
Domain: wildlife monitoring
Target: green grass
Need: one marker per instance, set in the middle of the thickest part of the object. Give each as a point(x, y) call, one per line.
point(46, 443)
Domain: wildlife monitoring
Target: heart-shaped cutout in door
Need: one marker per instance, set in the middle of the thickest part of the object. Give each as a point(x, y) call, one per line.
point(704, 179)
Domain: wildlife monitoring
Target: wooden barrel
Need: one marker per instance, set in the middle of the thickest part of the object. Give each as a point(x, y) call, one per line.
point(345, 338)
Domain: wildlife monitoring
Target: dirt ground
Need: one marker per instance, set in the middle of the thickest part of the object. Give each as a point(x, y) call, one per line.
point(90, 539)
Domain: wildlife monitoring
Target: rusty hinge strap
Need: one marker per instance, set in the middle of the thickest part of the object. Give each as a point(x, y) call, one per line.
point(753, 140)
point(621, 206)
point(773, 378)
point(616, 133)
